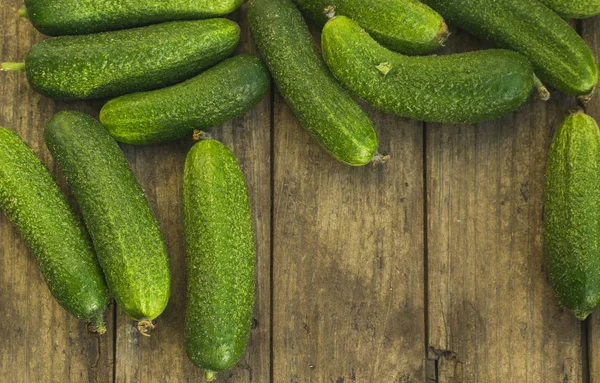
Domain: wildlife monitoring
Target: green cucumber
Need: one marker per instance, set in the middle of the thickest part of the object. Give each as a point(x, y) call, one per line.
point(37, 207)
point(125, 234)
point(76, 17)
point(570, 9)
point(116, 63)
point(572, 215)
point(558, 54)
point(220, 257)
point(461, 88)
point(407, 26)
point(221, 93)
point(321, 105)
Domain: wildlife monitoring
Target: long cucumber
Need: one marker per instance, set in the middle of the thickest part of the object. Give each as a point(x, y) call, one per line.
point(126, 236)
point(59, 243)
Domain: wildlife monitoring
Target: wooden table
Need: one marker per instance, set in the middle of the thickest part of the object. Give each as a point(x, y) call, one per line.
point(428, 269)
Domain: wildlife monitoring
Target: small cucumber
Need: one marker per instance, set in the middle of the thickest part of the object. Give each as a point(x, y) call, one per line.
point(407, 26)
point(220, 257)
point(579, 9)
point(321, 105)
point(572, 215)
point(221, 93)
point(559, 55)
point(461, 88)
point(125, 234)
point(33, 202)
point(76, 17)
point(115, 63)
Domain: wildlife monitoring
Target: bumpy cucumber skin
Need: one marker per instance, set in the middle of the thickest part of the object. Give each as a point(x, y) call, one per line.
point(572, 215)
point(114, 63)
point(125, 234)
point(569, 9)
point(76, 17)
point(220, 257)
point(320, 104)
point(461, 88)
point(407, 26)
point(33, 202)
point(223, 92)
point(559, 55)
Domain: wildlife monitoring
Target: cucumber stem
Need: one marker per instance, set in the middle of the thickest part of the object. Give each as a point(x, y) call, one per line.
point(22, 12)
point(200, 135)
point(587, 97)
point(541, 89)
point(443, 34)
point(330, 12)
point(10, 66)
point(99, 324)
point(210, 375)
point(145, 326)
point(379, 159)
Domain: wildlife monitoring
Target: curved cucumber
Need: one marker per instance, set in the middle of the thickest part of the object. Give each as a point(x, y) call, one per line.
point(33, 202)
point(115, 63)
point(76, 17)
point(126, 236)
point(569, 9)
point(559, 55)
point(572, 215)
point(407, 26)
point(468, 87)
point(321, 105)
point(220, 257)
point(221, 93)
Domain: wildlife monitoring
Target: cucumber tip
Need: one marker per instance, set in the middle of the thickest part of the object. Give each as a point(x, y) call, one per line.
point(587, 97)
point(380, 159)
point(145, 326)
point(330, 12)
point(210, 375)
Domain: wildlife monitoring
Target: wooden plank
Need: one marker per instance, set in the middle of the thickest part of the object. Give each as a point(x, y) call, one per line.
point(590, 29)
point(492, 314)
point(41, 342)
point(162, 358)
point(348, 292)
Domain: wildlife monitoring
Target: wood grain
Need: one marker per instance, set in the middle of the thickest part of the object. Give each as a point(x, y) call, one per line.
point(492, 315)
point(162, 358)
point(347, 259)
point(41, 342)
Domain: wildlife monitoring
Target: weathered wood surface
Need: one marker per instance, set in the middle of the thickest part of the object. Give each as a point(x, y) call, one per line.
point(427, 269)
point(492, 314)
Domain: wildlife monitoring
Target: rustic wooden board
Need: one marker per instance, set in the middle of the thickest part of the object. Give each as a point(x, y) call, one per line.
point(41, 342)
point(159, 168)
point(427, 269)
point(492, 314)
point(347, 259)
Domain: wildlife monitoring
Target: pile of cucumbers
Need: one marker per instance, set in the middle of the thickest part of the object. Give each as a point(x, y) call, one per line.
point(169, 68)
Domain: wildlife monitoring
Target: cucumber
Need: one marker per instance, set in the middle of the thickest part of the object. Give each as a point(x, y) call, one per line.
point(559, 55)
point(461, 88)
point(33, 202)
point(125, 234)
point(407, 26)
point(572, 215)
point(569, 9)
point(220, 257)
point(115, 63)
point(76, 17)
point(221, 93)
point(321, 105)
